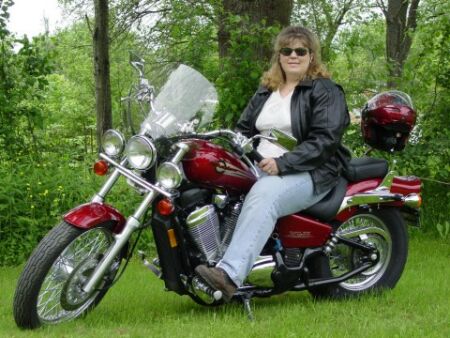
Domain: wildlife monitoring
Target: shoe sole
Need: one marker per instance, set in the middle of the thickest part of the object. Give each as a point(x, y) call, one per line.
point(211, 283)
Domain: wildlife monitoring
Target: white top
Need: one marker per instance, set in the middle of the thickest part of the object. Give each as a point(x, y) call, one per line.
point(276, 113)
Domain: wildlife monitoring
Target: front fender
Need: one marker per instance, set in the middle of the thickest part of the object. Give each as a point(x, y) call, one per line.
point(87, 216)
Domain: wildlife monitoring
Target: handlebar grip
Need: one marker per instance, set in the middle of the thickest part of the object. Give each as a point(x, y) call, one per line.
point(256, 156)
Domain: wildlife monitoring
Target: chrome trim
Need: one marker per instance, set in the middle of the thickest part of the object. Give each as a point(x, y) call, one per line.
point(387, 181)
point(107, 186)
point(183, 149)
point(149, 144)
point(353, 233)
point(121, 239)
point(375, 197)
point(412, 201)
point(136, 179)
point(252, 166)
point(176, 179)
point(220, 201)
point(117, 134)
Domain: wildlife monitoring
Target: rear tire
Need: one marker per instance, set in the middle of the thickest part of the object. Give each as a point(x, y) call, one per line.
point(386, 230)
point(48, 290)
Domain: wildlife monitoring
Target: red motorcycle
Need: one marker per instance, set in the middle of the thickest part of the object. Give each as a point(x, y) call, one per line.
point(193, 184)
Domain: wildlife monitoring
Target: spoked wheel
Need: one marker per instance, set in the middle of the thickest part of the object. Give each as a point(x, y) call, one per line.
point(382, 229)
point(49, 290)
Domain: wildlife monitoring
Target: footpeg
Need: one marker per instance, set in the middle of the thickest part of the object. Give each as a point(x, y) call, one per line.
point(152, 267)
point(205, 292)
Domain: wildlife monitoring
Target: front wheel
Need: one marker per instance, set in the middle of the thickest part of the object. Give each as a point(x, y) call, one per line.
point(383, 229)
point(49, 290)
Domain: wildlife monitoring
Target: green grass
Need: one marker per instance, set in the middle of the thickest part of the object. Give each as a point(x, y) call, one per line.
point(139, 307)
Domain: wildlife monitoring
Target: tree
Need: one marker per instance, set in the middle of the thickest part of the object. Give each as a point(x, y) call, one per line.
point(401, 22)
point(266, 12)
point(325, 17)
point(101, 68)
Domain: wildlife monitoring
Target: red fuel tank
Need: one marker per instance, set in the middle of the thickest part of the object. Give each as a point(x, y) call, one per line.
point(211, 165)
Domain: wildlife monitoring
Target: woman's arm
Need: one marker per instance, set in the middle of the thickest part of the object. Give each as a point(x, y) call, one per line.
point(329, 118)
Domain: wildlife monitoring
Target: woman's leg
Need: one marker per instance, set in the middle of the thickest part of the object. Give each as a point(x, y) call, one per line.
point(270, 198)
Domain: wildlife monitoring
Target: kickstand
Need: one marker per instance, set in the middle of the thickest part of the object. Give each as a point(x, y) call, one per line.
point(247, 307)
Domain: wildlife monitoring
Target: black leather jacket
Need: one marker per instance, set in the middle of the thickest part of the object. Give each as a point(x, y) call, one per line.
point(319, 116)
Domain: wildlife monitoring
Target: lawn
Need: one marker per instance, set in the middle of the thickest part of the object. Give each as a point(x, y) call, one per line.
point(139, 307)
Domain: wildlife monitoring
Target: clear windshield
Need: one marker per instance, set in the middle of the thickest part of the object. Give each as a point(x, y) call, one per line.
point(187, 96)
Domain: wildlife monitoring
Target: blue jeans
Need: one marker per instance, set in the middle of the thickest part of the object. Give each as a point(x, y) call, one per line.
point(270, 198)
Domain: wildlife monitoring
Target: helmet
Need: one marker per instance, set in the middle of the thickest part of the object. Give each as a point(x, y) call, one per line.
point(387, 120)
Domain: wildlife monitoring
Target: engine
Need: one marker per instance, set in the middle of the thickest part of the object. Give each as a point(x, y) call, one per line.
point(211, 226)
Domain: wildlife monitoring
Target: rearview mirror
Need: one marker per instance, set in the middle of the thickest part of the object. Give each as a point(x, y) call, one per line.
point(284, 140)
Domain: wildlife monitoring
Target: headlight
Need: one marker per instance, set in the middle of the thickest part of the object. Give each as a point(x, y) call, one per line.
point(113, 142)
point(141, 152)
point(169, 175)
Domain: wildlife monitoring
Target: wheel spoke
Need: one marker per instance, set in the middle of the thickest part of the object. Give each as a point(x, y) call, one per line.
point(86, 246)
point(368, 229)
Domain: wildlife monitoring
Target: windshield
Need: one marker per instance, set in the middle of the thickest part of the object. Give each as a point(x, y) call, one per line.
point(187, 96)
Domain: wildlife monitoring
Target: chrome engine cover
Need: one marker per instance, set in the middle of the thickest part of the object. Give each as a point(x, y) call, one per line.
point(203, 226)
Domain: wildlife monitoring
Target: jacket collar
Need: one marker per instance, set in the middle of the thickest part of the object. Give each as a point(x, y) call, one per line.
point(305, 83)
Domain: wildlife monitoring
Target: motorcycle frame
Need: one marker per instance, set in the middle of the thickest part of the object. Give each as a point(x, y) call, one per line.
point(379, 196)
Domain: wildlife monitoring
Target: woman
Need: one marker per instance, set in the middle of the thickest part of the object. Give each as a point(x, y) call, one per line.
point(297, 97)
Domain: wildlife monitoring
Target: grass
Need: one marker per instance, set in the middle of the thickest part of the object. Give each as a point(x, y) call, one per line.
point(139, 307)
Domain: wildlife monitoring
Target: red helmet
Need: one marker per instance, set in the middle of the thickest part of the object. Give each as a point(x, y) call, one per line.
point(387, 120)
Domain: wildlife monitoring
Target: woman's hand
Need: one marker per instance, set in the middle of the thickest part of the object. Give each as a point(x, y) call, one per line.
point(269, 166)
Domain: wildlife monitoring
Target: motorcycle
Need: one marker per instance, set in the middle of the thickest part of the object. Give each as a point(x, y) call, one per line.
point(193, 184)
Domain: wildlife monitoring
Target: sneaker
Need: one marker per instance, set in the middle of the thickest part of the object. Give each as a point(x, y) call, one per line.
point(218, 279)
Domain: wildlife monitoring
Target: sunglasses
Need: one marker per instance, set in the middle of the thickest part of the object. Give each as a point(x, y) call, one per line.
point(286, 51)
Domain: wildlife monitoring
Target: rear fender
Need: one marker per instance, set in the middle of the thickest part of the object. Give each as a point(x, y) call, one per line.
point(87, 216)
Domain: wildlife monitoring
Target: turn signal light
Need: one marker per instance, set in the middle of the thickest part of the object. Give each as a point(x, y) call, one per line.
point(165, 207)
point(101, 168)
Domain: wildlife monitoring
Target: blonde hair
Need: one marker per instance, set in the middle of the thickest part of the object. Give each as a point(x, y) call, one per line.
point(275, 76)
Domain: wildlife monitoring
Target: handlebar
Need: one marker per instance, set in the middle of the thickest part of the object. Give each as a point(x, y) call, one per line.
point(241, 144)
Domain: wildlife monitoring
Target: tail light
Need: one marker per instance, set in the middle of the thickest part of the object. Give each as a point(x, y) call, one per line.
point(101, 167)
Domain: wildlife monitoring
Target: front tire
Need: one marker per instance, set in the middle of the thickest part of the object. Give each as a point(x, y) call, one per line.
point(49, 288)
point(385, 230)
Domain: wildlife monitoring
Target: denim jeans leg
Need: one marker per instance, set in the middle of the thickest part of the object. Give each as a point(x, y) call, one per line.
point(270, 198)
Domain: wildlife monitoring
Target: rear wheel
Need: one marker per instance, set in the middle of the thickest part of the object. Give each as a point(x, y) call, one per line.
point(383, 229)
point(49, 290)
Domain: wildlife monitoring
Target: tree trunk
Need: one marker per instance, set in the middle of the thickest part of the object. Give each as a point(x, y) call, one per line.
point(271, 11)
point(101, 69)
point(401, 21)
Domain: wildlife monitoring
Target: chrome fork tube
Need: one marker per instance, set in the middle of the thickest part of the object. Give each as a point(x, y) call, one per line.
point(100, 196)
point(121, 239)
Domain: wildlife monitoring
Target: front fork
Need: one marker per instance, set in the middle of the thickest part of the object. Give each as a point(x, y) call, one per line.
point(133, 223)
point(121, 239)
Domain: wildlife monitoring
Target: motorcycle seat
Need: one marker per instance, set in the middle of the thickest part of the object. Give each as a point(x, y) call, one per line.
point(328, 206)
point(365, 167)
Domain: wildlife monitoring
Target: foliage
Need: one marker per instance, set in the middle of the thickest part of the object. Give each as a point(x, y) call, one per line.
point(23, 85)
point(360, 68)
point(242, 69)
point(326, 17)
point(47, 99)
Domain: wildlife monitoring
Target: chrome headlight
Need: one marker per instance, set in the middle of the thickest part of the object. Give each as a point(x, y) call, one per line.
point(113, 143)
point(169, 175)
point(141, 152)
